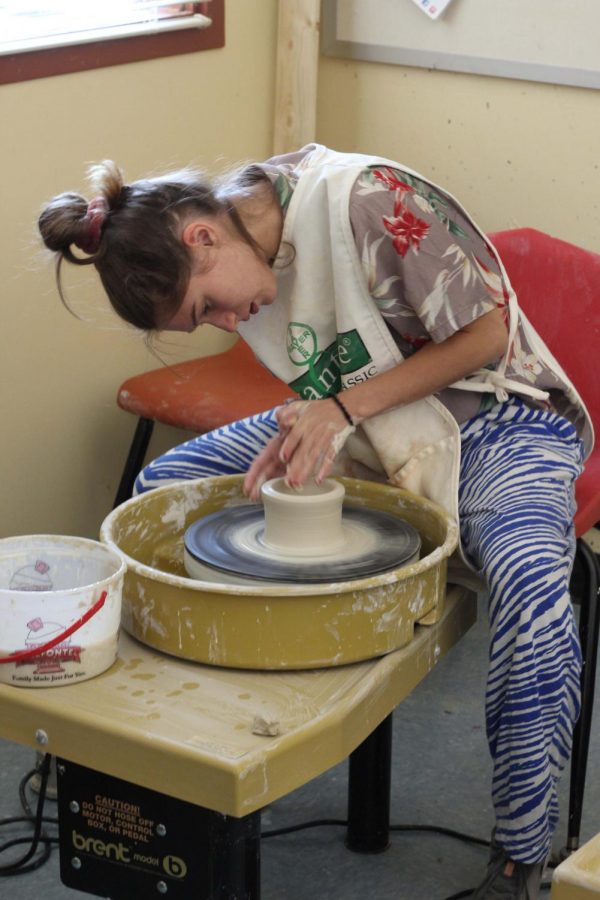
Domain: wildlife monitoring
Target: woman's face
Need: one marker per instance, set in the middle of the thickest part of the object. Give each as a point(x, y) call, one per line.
point(229, 282)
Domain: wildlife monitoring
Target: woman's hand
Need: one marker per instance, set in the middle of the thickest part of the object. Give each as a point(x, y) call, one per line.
point(265, 466)
point(313, 433)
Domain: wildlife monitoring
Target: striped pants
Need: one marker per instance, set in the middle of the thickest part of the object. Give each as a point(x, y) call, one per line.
point(516, 506)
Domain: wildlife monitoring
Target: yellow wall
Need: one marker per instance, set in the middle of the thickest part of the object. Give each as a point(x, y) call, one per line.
point(515, 153)
point(63, 439)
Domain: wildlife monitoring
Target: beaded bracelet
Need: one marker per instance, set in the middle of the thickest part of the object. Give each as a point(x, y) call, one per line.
point(341, 406)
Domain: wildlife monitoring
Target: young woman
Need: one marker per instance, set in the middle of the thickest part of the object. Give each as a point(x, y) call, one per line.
point(373, 294)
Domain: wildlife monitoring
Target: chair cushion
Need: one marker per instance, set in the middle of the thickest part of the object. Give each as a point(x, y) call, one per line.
point(204, 393)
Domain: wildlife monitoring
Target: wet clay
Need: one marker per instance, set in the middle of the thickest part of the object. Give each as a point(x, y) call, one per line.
point(303, 522)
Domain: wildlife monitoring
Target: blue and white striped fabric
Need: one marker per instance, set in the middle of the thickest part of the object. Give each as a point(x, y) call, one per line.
point(226, 451)
point(516, 505)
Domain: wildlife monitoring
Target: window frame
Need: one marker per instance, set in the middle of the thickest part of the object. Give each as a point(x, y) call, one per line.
point(47, 62)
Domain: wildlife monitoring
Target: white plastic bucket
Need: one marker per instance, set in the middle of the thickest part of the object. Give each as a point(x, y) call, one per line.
point(60, 609)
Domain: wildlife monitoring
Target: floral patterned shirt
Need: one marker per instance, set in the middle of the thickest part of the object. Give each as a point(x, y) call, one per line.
point(428, 269)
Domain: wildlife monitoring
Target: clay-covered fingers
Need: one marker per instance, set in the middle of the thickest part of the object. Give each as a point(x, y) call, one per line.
point(313, 441)
point(325, 465)
point(265, 466)
point(311, 435)
point(288, 414)
point(307, 451)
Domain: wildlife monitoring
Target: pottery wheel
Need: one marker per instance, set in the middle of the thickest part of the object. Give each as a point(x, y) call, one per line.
point(231, 541)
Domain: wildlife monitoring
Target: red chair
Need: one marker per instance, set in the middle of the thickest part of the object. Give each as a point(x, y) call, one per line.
point(558, 286)
point(198, 396)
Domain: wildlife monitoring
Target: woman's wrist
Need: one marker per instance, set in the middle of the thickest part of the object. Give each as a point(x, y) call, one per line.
point(344, 410)
point(352, 420)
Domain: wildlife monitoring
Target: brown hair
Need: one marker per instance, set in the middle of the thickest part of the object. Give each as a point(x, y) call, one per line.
point(131, 233)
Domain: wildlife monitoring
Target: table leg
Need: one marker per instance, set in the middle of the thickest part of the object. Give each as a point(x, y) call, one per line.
point(369, 781)
point(235, 857)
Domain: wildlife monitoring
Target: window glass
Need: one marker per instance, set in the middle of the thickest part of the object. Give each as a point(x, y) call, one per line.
point(34, 34)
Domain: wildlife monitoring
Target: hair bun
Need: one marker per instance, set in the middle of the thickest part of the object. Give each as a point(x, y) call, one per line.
point(60, 222)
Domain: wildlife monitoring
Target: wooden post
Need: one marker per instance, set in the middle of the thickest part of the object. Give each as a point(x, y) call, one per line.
point(296, 75)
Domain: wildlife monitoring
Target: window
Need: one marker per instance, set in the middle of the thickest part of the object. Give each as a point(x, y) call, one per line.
point(51, 37)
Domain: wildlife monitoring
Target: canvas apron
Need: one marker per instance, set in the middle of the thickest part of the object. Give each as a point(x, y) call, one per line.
point(325, 333)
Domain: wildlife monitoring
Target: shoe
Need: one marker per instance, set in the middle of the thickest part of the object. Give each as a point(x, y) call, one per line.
point(509, 880)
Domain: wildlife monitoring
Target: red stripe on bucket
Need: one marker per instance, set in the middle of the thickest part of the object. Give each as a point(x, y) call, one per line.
point(37, 651)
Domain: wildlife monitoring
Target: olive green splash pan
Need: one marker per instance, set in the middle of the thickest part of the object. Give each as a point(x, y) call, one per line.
point(269, 626)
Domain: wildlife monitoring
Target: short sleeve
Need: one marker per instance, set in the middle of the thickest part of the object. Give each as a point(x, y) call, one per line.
point(428, 268)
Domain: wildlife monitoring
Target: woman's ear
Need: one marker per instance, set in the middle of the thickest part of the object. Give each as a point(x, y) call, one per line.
point(202, 241)
point(198, 234)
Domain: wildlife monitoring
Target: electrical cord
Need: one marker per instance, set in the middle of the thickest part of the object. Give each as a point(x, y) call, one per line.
point(448, 832)
point(344, 822)
point(290, 828)
point(28, 862)
point(468, 893)
point(25, 802)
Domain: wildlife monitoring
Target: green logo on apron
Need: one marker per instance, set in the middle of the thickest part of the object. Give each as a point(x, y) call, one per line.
point(301, 344)
point(323, 375)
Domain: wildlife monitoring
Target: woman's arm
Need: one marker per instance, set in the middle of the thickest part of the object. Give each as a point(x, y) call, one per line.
point(312, 431)
point(433, 367)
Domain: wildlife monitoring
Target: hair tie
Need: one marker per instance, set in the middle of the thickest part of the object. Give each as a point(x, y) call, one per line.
point(91, 226)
